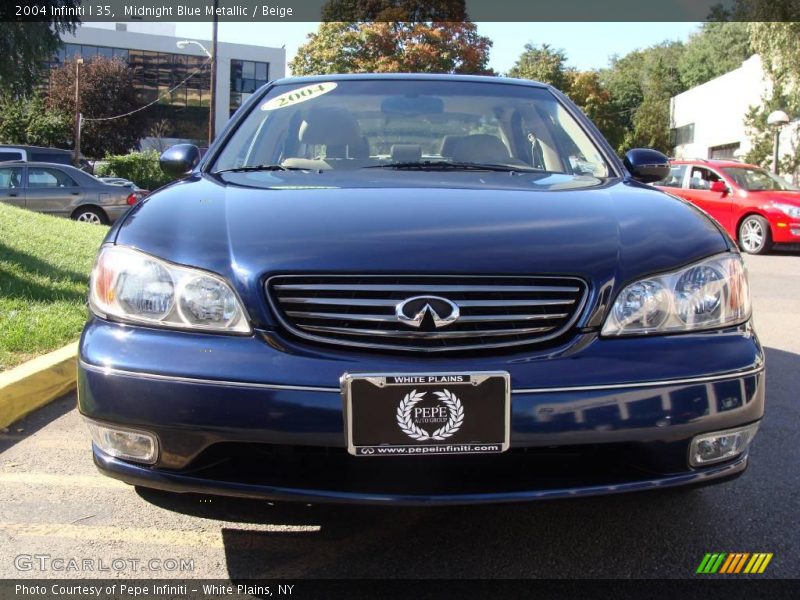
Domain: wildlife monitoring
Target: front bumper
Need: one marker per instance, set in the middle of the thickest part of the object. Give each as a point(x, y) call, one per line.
point(257, 417)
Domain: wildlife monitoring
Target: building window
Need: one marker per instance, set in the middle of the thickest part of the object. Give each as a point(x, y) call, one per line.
point(246, 77)
point(724, 151)
point(682, 135)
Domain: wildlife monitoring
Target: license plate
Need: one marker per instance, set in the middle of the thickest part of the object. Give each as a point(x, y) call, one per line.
point(426, 413)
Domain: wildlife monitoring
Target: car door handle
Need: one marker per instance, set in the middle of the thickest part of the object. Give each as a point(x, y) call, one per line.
point(75, 193)
point(13, 194)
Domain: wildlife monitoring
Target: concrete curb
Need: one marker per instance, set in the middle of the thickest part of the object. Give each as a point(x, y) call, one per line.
point(33, 384)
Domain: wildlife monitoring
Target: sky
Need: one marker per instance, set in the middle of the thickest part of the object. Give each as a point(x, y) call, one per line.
point(587, 45)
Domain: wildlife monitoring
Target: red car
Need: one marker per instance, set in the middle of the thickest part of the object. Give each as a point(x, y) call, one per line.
point(756, 207)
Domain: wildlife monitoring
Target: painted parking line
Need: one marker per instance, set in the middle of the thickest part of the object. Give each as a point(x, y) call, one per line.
point(152, 536)
point(72, 481)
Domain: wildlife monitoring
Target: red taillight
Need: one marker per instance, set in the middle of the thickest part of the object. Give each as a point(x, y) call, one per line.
point(132, 199)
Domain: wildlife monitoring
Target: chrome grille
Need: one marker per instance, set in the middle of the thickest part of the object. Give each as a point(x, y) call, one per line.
point(360, 310)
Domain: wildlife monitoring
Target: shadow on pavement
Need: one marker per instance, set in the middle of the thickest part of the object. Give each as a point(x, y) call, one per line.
point(38, 419)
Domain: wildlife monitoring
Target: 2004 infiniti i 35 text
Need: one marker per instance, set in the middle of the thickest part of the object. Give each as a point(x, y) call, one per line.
point(417, 289)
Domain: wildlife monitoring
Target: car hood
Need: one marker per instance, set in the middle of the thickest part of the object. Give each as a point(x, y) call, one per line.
point(608, 233)
point(786, 197)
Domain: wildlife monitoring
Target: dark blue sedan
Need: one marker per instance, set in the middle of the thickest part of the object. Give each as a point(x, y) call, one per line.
point(419, 289)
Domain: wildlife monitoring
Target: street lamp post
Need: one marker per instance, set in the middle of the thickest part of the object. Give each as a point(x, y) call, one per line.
point(777, 119)
point(76, 148)
point(212, 117)
point(213, 63)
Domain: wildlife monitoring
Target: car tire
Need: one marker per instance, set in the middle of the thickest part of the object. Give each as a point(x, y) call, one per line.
point(89, 214)
point(755, 236)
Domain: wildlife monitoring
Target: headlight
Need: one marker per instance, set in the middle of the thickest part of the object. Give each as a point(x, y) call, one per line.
point(788, 209)
point(712, 293)
point(134, 286)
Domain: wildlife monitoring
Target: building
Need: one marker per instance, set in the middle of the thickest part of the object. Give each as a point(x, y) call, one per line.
point(708, 121)
point(151, 49)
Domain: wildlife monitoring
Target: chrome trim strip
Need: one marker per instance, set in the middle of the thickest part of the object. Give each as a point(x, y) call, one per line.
point(337, 390)
point(220, 382)
point(373, 287)
point(393, 319)
point(426, 335)
point(390, 302)
point(642, 384)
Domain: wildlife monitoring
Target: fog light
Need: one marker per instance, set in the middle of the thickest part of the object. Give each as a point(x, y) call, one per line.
point(795, 229)
point(720, 445)
point(138, 446)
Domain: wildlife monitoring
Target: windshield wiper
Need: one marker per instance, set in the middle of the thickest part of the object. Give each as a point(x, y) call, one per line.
point(258, 168)
point(446, 165)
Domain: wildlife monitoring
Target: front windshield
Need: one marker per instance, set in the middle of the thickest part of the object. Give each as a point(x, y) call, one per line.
point(357, 124)
point(757, 180)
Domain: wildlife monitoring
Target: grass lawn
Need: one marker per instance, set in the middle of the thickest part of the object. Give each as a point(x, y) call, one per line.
point(44, 273)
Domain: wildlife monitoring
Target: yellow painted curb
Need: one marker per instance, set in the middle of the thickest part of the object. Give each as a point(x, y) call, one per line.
point(25, 388)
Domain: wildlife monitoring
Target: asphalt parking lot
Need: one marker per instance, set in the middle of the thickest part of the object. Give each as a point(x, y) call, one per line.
point(52, 501)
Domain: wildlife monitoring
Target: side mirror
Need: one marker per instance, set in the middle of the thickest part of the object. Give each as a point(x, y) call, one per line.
point(646, 165)
point(719, 187)
point(179, 160)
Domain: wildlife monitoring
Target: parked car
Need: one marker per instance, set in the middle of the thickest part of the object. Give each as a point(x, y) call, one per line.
point(141, 194)
point(63, 191)
point(41, 154)
point(757, 208)
point(420, 289)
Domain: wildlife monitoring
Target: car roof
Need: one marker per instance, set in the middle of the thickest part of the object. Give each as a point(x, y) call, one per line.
point(409, 77)
point(710, 162)
point(36, 163)
point(26, 147)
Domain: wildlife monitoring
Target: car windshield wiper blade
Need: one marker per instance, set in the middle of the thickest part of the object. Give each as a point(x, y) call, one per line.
point(436, 165)
point(258, 168)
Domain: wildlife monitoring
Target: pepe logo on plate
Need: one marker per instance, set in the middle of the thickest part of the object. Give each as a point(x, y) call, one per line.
point(415, 410)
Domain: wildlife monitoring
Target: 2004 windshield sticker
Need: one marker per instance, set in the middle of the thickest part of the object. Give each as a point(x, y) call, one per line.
point(299, 95)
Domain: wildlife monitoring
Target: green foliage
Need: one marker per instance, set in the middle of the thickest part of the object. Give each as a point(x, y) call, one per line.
point(713, 51)
point(28, 121)
point(391, 47)
point(139, 167)
point(44, 272)
point(544, 64)
point(586, 90)
point(777, 44)
point(641, 84)
point(25, 46)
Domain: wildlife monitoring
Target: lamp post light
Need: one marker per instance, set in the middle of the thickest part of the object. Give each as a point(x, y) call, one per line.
point(212, 109)
point(777, 120)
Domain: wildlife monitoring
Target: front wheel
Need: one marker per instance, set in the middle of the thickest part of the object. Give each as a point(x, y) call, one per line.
point(91, 215)
point(755, 236)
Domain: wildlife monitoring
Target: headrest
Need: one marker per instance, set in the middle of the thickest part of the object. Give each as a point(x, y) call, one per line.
point(448, 143)
point(406, 152)
point(327, 126)
point(480, 148)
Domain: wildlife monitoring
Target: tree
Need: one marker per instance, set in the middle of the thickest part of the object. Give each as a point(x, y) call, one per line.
point(24, 46)
point(776, 43)
point(394, 10)
point(713, 51)
point(544, 64)
point(393, 46)
point(587, 91)
point(30, 122)
point(641, 84)
point(107, 90)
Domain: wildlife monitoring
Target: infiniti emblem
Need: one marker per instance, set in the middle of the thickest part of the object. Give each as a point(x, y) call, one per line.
point(413, 311)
